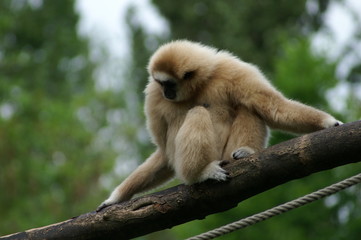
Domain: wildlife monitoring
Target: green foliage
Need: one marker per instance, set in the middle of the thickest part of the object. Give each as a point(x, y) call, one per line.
point(48, 168)
point(58, 135)
point(302, 75)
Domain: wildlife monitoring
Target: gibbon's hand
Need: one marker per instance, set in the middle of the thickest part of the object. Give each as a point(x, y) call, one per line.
point(101, 206)
point(113, 199)
point(215, 171)
point(337, 123)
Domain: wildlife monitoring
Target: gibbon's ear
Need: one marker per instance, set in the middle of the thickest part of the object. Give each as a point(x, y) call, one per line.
point(188, 75)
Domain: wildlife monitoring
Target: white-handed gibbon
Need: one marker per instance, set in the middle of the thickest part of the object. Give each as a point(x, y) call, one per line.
point(204, 106)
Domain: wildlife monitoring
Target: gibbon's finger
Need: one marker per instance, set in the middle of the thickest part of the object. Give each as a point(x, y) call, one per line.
point(102, 206)
point(216, 172)
point(242, 152)
point(338, 123)
point(224, 163)
point(225, 173)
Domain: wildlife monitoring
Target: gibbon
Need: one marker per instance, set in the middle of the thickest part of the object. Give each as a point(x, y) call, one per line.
point(204, 106)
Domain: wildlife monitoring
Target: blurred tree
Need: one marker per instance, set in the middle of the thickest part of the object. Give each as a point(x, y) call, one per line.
point(49, 168)
point(54, 128)
point(275, 36)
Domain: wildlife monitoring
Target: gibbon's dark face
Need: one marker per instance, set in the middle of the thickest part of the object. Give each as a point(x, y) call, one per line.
point(172, 86)
point(169, 89)
point(182, 68)
point(168, 84)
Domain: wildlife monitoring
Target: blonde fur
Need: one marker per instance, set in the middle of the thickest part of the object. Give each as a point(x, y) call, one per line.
point(203, 106)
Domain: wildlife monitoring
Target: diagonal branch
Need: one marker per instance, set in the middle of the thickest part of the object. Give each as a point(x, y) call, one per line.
point(276, 165)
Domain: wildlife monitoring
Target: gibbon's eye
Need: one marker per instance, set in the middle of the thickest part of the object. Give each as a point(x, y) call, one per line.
point(188, 75)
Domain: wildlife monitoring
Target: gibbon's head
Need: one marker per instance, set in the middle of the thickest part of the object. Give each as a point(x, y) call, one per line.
point(181, 68)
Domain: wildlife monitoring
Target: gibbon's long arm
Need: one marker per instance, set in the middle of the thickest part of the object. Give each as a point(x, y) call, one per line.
point(278, 111)
point(282, 113)
point(153, 172)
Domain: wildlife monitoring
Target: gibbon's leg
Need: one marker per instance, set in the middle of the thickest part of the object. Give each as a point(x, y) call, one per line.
point(195, 149)
point(153, 172)
point(248, 134)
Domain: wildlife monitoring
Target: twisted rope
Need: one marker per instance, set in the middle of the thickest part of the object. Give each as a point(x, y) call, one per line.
point(251, 220)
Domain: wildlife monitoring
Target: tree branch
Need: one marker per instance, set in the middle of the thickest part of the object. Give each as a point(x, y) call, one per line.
point(275, 165)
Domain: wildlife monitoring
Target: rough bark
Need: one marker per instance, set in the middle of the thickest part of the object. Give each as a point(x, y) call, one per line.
point(276, 165)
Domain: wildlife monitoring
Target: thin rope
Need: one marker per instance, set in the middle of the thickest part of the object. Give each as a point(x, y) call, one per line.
point(251, 220)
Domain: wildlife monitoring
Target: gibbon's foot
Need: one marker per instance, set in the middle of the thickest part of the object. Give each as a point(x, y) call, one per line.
point(242, 152)
point(331, 122)
point(215, 171)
